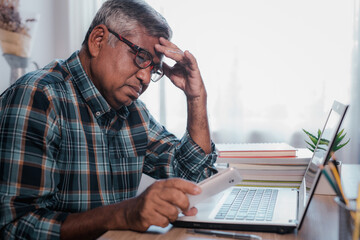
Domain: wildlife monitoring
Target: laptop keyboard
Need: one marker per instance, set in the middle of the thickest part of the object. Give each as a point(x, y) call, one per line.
point(249, 204)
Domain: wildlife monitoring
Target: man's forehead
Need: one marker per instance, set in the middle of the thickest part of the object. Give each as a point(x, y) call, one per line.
point(141, 37)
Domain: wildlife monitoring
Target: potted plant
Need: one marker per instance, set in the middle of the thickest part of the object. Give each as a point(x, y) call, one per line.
point(324, 142)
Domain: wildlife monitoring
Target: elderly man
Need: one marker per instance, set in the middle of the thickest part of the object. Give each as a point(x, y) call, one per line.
point(75, 138)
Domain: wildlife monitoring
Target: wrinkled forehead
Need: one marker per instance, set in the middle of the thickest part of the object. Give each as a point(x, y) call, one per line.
point(147, 42)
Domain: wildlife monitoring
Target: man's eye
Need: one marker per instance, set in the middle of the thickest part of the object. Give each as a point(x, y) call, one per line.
point(141, 58)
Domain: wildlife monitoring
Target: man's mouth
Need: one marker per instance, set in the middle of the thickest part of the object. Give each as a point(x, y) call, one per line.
point(137, 89)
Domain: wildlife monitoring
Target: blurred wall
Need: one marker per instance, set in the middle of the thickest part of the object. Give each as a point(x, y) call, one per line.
point(51, 39)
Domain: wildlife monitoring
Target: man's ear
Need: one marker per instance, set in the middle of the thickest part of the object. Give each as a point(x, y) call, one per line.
point(97, 38)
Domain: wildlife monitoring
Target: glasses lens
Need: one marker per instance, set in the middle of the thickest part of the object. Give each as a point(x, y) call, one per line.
point(156, 74)
point(143, 59)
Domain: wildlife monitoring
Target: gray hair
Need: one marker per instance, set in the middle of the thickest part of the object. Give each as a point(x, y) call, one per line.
point(123, 16)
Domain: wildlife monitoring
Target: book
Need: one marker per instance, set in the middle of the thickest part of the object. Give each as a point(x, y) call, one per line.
point(285, 184)
point(279, 178)
point(302, 157)
point(270, 171)
point(267, 167)
point(255, 150)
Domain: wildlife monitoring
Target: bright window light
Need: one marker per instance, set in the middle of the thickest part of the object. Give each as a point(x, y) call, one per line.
point(271, 67)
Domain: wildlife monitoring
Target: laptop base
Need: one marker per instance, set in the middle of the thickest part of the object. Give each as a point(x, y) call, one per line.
point(237, 227)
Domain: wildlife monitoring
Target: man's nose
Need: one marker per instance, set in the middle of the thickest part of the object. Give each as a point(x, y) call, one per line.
point(144, 75)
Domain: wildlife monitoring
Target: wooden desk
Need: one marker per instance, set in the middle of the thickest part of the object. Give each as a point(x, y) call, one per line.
point(321, 220)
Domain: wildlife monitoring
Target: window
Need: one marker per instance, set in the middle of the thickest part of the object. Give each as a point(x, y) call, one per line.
point(271, 68)
point(81, 13)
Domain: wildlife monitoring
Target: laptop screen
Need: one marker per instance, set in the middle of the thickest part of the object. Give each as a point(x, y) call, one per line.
point(320, 156)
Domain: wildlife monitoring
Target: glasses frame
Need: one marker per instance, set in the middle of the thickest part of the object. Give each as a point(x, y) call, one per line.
point(137, 50)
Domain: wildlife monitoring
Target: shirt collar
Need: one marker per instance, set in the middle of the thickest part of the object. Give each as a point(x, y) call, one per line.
point(89, 92)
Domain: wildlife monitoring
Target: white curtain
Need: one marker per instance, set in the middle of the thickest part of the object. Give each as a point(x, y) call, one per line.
point(81, 13)
point(271, 68)
point(354, 111)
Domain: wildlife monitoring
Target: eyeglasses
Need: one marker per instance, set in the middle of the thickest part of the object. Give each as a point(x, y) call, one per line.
point(143, 59)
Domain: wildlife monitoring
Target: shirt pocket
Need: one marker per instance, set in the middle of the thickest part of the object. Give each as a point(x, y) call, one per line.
point(131, 142)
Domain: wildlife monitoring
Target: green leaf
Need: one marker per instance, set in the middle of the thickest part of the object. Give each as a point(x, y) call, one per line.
point(310, 149)
point(321, 148)
point(339, 133)
point(335, 148)
point(339, 139)
point(313, 146)
point(314, 140)
point(309, 134)
point(312, 137)
point(324, 141)
point(319, 133)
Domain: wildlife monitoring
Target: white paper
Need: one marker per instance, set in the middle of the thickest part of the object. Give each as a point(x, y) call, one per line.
point(145, 182)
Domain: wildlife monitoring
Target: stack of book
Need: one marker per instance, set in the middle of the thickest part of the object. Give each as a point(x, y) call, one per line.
point(266, 164)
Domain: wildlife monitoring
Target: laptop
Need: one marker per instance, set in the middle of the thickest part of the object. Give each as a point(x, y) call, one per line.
point(280, 210)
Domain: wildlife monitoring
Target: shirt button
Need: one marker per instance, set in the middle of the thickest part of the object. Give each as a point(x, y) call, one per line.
point(97, 113)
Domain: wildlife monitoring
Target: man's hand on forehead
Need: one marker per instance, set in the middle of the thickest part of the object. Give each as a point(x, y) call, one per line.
point(185, 74)
point(169, 49)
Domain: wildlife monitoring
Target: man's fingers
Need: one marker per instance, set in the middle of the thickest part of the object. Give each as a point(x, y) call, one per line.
point(168, 210)
point(160, 220)
point(160, 203)
point(167, 43)
point(184, 60)
point(192, 60)
point(182, 185)
point(173, 53)
point(191, 212)
point(174, 191)
point(153, 210)
point(177, 199)
point(170, 50)
point(165, 203)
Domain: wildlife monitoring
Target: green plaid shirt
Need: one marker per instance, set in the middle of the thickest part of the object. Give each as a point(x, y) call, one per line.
point(63, 149)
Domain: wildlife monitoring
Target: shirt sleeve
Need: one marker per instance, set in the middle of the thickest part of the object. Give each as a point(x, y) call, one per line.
point(28, 146)
point(168, 156)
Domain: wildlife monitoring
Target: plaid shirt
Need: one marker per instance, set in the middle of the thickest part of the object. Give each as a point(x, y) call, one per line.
point(63, 149)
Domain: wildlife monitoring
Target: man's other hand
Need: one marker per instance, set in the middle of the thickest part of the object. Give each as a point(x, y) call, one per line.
point(160, 204)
